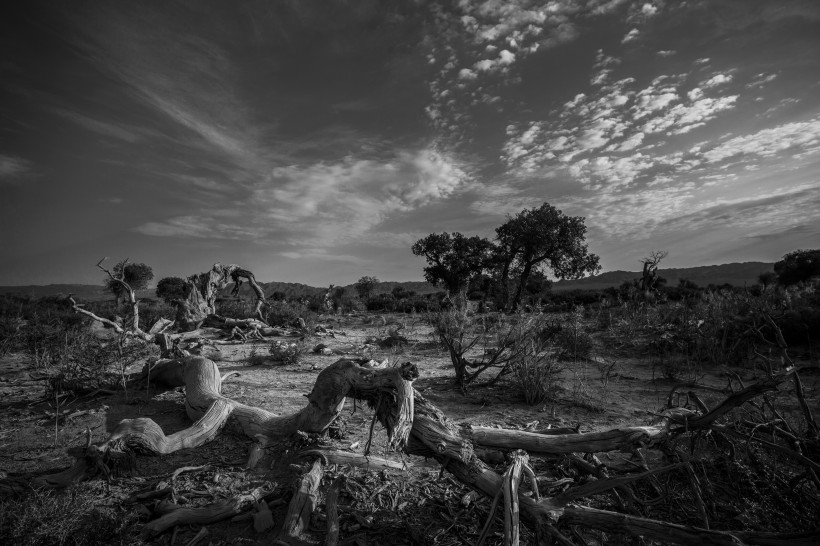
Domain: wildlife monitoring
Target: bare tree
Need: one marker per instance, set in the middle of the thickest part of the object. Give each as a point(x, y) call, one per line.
point(649, 276)
point(200, 302)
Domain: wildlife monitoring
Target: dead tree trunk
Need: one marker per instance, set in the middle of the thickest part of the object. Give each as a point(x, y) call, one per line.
point(203, 289)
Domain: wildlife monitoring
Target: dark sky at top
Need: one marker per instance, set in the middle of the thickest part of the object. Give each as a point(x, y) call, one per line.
point(314, 141)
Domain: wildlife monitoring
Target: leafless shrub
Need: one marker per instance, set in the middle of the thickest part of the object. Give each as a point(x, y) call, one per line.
point(537, 371)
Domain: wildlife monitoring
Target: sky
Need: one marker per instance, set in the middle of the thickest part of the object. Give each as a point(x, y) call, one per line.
point(314, 141)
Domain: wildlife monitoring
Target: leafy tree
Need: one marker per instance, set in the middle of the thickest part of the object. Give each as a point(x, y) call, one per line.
point(797, 266)
point(539, 237)
point(172, 288)
point(537, 286)
point(400, 293)
point(365, 286)
point(453, 259)
point(278, 295)
point(338, 293)
point(136, 276)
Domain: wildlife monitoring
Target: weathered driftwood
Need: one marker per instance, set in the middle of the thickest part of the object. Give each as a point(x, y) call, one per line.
point(302, 505)
point(332, 512)
point(591, 442)
point(512, 478)
point(203, 289)
point(369, 462)
point(217, 511)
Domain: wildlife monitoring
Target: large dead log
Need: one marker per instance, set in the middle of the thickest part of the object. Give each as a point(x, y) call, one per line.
point(388, 389)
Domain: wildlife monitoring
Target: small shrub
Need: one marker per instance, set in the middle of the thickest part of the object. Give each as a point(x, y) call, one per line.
point(287, 353)
point(287, 314)
point(537, 370)
point(572, 340)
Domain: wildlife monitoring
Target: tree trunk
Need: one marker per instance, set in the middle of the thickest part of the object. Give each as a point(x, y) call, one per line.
point(522, 280)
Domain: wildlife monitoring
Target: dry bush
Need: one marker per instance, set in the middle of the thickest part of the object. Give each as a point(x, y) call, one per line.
point(287, 352)
point(64, 518)
point(287, 314)
point(84, 363)
point(573, 341)
point(492, 341)
point(537, 371)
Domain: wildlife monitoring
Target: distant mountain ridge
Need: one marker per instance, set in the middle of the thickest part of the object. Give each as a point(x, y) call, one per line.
point(736, 274)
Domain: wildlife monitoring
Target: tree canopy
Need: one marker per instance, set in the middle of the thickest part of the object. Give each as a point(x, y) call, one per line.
point(797, 266)
point(135, 275)
point(170, 289)
point(542, 237)
point(364, 286)
point(453, 259)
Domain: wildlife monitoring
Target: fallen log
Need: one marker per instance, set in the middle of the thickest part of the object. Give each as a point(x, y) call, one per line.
point(212, 513)
point(302, 505)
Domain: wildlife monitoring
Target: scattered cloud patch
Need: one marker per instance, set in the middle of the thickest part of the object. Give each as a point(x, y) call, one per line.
point(181, 226)
point(631, 36)
point(761, 79)
point(610, 137)
point(717, 79)
point(319, 254)
point(103, 128)
point(649, 10)
point(13, 168)
point(802, 137)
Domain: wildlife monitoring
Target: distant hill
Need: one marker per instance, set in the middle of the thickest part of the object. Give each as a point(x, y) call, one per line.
point(81, 292)
point(736, 274)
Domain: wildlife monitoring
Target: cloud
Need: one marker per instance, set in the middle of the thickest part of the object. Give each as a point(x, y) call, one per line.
point(631, 36)
point(611, 136)
point(490, 37)
point(105, 128)
point(184, 227)
point(505, 58)
point(467, 74)
point(319, 254)
point(761, 79)
point(13, 169)
point(683, 118)
point(796, 137)
point(774, 208)
point(717, 79)
point(649, 10)
point(666, 53)
point(330, 203)
point(324, 204)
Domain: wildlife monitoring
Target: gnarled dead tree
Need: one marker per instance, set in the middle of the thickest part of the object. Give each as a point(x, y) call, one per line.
point(203, 289)
point(416, 426)
point(649, 275)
